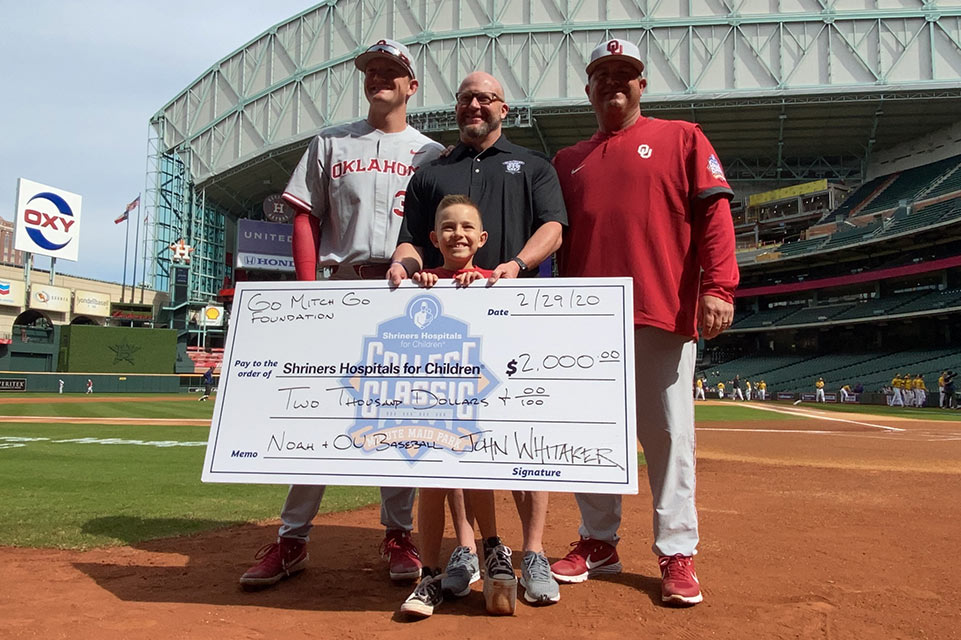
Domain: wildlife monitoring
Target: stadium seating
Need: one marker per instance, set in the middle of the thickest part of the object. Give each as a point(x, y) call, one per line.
point(882, 306)
point(950, 182)
point(850, 235)
point(909, 185)
point(873, 370)
point(924, 216)
point(815, 314)
point(801, 246)
point(204, 359)
point(860, 195)
point(933, 300)
point(764, 318)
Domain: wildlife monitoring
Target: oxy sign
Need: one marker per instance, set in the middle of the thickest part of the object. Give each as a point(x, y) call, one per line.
point(47, 221)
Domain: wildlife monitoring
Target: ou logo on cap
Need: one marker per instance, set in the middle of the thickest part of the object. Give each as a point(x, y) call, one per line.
point(644, 151)
point(615, 47)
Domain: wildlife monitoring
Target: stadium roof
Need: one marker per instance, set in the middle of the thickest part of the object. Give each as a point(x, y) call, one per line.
point(808, 91)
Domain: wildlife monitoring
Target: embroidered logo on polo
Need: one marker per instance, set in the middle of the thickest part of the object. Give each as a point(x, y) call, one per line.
point(419, 387)
point(645, 151)
point(513, 166)
point(714, 166)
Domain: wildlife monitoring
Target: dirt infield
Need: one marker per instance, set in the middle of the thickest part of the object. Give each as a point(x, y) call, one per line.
point(811, 528)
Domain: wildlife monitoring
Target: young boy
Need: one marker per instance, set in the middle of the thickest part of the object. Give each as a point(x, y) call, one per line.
point(458, 234)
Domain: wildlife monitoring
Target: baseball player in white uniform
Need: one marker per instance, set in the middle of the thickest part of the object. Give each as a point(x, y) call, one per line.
point(348, 192)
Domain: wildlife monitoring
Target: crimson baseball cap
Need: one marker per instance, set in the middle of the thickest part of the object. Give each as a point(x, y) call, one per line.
point(388, 50)
point(616, 49)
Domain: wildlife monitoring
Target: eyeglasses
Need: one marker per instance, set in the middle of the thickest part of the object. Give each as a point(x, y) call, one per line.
point(483, 99)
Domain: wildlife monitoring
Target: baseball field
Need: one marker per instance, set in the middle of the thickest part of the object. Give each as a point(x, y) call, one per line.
point(816, 522)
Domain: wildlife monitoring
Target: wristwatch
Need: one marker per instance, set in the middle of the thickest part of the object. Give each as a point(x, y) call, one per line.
point(521, 263)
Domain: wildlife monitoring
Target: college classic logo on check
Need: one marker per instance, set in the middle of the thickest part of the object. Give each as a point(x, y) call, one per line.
point(527, 384)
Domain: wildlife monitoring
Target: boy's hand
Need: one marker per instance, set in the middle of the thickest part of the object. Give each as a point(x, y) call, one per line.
point(424, 279)
point(464, 279)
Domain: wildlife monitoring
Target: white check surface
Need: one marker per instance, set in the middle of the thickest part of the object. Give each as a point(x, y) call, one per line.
point(528, 384)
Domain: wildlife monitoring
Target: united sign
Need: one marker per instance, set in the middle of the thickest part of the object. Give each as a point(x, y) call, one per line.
point(47, 221)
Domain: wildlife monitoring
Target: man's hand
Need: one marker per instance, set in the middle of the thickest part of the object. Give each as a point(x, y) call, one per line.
point(714, 316)
point(424, 279)
point(396, 274)
point(508, 269)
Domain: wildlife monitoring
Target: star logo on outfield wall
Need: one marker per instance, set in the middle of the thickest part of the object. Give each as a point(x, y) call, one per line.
point(124, 352)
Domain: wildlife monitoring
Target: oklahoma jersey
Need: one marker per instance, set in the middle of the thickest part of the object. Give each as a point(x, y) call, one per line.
point(353, 179)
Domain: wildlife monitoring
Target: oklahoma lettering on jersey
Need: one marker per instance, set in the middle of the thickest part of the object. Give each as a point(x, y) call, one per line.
point(353, 178)
point(360, 165)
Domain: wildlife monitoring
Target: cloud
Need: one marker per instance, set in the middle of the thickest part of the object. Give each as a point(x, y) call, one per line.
point(82, 80)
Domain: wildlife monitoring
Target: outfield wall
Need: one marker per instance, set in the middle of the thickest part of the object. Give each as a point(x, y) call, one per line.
point(117, 350)
point(74, 383)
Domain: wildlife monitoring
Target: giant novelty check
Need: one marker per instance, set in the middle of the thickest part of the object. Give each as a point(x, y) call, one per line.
point(528, 384)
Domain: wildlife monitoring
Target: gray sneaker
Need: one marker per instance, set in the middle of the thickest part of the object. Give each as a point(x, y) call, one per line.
point(540, 587)
point(462, 571)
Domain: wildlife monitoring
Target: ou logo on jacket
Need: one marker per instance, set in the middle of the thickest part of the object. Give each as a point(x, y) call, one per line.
point(645, 151)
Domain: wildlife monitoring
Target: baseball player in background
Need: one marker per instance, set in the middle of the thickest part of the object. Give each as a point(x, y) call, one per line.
point(647, 198)
point(348, 194)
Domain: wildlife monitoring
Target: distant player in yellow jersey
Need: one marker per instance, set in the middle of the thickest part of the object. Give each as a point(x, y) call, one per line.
point(897, 384)
point(920, 391)
point(819, 390)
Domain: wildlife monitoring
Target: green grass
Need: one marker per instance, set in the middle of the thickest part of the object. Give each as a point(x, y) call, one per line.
point(73, 495)
point(93, 409)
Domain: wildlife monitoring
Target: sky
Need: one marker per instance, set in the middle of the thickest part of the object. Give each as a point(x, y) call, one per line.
point(81, 81)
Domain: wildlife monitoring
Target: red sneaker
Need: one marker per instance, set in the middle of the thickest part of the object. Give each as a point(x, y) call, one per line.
point(278, 560)
point(401, 555)
point(588, 558)
point(679, 583)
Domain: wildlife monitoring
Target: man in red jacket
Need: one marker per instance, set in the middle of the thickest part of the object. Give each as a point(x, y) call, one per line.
point(647, 198)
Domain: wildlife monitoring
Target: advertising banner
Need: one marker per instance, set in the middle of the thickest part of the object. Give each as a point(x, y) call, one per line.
point(91, 303)
point(11, 293)
point(47, 221)
point(211, 316)
point(264, 246)
point(45, 296)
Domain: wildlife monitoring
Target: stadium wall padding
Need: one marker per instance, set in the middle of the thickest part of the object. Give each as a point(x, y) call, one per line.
point(93, 349)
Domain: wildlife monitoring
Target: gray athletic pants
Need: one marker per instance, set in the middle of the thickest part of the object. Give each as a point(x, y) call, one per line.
point(664, 366)
point(303, 502)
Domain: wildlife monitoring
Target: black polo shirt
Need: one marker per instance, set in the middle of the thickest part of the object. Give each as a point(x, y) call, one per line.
point(516, 190)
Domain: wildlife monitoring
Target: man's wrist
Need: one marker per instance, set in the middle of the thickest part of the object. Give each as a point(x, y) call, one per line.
point(521, 263)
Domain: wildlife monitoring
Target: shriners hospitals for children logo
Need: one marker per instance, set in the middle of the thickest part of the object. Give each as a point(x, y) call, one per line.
point(420, 385)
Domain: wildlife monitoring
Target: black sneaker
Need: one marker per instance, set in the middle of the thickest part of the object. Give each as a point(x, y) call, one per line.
point(427, 595)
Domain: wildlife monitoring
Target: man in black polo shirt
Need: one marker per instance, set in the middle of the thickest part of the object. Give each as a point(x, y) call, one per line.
point(516, 190)
point(520, 200)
